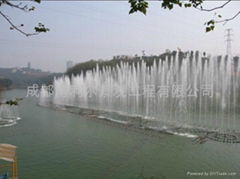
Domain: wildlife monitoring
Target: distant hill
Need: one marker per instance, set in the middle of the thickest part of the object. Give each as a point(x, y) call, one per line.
point(5, 83)
point(47, 79)
point(23, 77)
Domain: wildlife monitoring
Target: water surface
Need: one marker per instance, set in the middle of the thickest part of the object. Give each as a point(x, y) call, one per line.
point(58, 145)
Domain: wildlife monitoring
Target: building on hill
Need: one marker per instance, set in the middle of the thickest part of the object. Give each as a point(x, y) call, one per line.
point(22, 77)
point(29, 65)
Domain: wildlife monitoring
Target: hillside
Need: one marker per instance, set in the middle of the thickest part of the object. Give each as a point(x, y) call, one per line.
point(23, 77)
point(90, 65)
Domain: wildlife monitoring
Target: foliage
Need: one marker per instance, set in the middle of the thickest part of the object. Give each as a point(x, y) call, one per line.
point(138, 5)
point(41, 28)
point(210, 25)
point(12, 102)
point(5, 83)
point(23, 7)
point(27, 77)
point(142, 6)
point(82, 68)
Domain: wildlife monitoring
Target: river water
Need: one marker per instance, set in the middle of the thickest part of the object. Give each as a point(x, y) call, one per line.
point(56, 144)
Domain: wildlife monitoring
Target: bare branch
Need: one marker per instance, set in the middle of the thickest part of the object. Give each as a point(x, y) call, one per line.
point(215, 8)
point(18, 6)
point(15, 27)
point(229, 19)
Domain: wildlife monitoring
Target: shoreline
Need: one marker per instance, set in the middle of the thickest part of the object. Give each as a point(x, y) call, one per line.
point(134, 125)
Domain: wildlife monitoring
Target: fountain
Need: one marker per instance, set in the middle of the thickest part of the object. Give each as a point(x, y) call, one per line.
point(182, 93)
point(8, 115)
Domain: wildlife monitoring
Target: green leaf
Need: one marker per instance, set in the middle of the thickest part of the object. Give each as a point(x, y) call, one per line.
point(210, 22)
point(131, 11)
point(210, 28)
point(138, 5)
point(31, 9)
point(187, 5)
point(41, 28)
point(12, 102)
point(38, 1)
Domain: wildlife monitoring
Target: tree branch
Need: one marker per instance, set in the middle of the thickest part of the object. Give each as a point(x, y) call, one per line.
point(229, 19)
point(15, 27)
point(24, 8)
point(215, 8)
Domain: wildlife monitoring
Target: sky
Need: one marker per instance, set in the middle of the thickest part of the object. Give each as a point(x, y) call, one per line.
point(84, 30)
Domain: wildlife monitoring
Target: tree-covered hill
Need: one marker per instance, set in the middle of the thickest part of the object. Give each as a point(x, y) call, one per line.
point(5, 83)
point(23, 77)
point(117, 60)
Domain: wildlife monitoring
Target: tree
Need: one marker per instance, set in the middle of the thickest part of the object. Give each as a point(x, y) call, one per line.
point(38, 29)
point(5, 83)
point(136, 5)
point(25, 8)
point(142, 6)
point(12, 102)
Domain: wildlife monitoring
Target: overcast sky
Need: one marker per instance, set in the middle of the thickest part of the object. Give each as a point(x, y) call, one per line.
point(80, 31)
